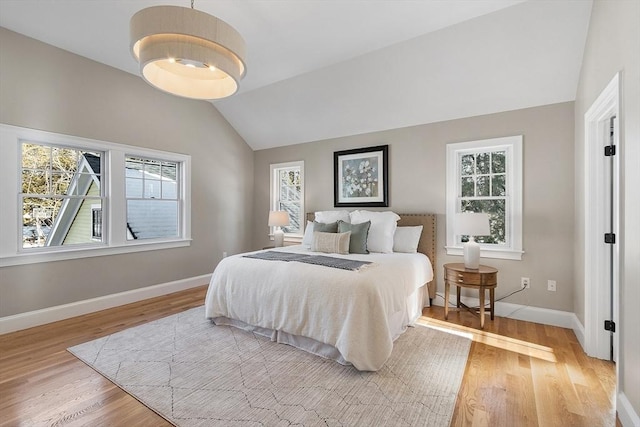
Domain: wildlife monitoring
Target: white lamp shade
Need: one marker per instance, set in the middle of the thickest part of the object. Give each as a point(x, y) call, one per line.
point(472, 224)
point(278, 218)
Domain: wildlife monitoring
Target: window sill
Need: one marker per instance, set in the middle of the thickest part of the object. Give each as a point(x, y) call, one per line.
point(488, 253)
point(38, 256)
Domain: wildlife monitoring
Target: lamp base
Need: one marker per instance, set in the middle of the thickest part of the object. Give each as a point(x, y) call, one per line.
point(471, 254)
point(278, 238)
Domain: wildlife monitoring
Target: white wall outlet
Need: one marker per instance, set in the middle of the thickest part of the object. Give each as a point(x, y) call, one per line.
point(551, 285)
point(224, 254)
point(525, 283)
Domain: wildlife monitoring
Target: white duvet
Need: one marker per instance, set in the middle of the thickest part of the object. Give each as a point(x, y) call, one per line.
point(360, 313)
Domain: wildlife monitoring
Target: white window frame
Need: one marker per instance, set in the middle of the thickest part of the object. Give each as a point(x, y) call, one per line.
point(161, 197)
point(512, 145)
point(274, 203)
point(114, 213)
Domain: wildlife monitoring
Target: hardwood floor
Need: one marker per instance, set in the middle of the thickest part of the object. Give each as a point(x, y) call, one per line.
point(518, 373)
point(528, 374)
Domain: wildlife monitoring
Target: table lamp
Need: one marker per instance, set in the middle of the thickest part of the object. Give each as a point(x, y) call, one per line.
point(472, 224)
point(278, 219)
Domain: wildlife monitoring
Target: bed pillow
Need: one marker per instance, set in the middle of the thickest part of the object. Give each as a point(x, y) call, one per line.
point(307, 240)
point(406, 239)
point(331, 243)
point(359, 233)
point(325, 227)
point(332, 216)
point(383, 227)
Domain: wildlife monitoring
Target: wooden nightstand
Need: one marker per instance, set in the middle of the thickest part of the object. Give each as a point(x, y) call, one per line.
point(481, 279)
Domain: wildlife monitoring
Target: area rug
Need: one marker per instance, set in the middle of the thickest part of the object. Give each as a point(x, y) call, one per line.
point(194, 373)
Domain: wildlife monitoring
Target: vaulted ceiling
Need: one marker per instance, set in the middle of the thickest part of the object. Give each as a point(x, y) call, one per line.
point(320, 69)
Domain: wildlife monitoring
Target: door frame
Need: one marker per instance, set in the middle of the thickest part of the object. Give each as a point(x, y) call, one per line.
point(597, 299)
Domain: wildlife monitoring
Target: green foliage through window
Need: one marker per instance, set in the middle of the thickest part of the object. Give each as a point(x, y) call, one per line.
point(482, 188)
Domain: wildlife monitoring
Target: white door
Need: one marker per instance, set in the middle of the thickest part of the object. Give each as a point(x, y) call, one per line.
point(601, 201)
point(610, 211)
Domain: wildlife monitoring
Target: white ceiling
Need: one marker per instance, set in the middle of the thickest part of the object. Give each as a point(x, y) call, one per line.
point(319, 69)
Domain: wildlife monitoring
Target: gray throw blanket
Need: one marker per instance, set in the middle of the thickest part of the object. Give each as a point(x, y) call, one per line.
point(325, 261)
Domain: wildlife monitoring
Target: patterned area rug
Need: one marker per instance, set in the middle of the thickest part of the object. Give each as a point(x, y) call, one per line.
point(194, 373)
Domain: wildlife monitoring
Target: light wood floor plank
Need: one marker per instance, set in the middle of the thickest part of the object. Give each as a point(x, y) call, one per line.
point(526, 374)
point(518, 373)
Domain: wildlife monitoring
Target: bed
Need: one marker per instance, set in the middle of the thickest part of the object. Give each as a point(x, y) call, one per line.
point(352, 317)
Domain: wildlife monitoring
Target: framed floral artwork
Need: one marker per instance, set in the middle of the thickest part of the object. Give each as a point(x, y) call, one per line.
point(360, 177)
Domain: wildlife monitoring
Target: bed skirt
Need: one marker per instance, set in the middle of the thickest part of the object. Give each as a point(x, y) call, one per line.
point(328, 351)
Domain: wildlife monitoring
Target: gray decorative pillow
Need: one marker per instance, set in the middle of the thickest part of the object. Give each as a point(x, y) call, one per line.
point(331, 227)
point(359, 233)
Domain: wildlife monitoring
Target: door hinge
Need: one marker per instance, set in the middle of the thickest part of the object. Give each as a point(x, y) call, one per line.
point(609, 325)
point(610, 150)
point(610, 238)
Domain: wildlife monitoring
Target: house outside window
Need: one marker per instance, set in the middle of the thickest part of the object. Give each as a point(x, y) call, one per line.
point(152, 198)
point(287, 194)
point(58, 187)
point(75, 197)
point(486, 176)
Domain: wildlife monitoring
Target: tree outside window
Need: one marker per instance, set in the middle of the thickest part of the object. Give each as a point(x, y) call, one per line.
point(483, 190)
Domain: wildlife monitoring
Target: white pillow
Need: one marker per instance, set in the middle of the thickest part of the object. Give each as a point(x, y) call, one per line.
point(307, 240)
point(383, 227)
point(406, 239)
point(327, 217)
point(331, 243)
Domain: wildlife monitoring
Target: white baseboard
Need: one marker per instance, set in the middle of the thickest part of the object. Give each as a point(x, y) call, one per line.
point(626, 413)
point(578, 329)
point(545, 316)
point(53, 314)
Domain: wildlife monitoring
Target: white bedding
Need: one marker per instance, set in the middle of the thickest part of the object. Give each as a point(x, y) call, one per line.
point(360, 313)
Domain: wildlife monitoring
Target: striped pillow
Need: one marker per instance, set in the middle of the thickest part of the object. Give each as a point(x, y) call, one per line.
point(331, 243)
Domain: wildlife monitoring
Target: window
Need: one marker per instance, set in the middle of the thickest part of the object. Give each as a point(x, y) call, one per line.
point(75, 197)
point(486, 176)
point(58, 187)
point(287, 194)
point(96, 222)
point(152, 198)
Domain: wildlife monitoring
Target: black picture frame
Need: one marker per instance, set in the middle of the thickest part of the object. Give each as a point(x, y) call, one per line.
point(361, 177)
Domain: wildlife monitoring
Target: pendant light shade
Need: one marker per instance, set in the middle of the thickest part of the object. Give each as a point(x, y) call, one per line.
point(187, 52)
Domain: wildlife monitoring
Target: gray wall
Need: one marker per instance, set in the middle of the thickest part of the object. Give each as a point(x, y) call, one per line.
point(613, 45)
point(46, 88)
point(417, 184)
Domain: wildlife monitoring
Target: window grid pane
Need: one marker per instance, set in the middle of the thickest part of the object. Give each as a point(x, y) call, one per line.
point(152, 198)
point(288, 197)
point(483, 189)
point(58, 186)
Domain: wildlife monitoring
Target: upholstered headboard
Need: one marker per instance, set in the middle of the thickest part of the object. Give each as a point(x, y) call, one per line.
point(427, 243)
